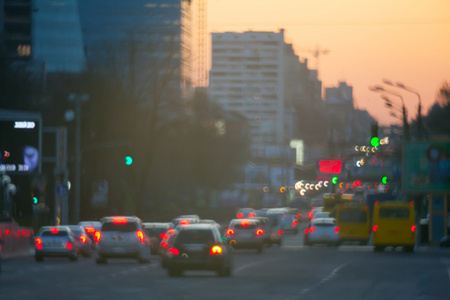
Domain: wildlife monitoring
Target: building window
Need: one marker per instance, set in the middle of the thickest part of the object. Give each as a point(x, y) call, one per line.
point(23, 50)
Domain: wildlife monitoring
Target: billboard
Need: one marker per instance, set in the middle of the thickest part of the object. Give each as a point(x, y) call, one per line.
point(426, 166)
point(20, 140)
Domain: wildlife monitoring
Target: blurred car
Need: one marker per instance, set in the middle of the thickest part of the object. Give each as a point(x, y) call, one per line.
point(166, 244)
point(199, 247)
point(84, 242)
point(56, 242)
point(288, 223)
point(272, 231)
point(183, 221)
point(246, 234)
point(245, 213)
point(155, 231)
point(287, 218)
point(322, 231)
point(91, 227)
point(122, 237)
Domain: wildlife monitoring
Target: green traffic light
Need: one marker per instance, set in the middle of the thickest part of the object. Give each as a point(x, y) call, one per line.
point(384, 180)
point(35, 200)
point(334, 180)
point(375, 141)
point(128, 160)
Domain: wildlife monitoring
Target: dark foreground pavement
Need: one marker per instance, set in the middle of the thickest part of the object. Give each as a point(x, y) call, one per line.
point(289, 272)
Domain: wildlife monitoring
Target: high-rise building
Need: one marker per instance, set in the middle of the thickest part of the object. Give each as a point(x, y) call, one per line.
point(142, 39)
point(15, 29)
point(259, 76)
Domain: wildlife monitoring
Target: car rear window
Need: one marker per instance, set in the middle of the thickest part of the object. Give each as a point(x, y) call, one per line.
point(121, 227)
point(155, 231)
point(353, 216)
point(59, 233)
point(323, 225)
point(197, 236)
point(394, 213)
point(249, 226)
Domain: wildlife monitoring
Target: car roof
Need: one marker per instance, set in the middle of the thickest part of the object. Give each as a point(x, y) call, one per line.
point(324, 221)
point(251, 220)
point(60, 228)
point(128, 218)
point(79, 227)
point(156, 224)
point(89, 223)
point(196, 226)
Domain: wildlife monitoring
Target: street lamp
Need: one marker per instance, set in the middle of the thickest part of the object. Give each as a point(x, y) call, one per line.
point(381, 89)
point(78, 99)
point(419, 106)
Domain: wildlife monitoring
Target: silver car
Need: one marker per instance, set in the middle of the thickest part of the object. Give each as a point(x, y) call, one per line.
point(246, 234)
point(122, 237)
point(56, 242)
point(322, 231)
point(84, 242)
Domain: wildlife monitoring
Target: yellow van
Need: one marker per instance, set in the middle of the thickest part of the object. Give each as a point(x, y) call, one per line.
point(393, 224)
point(354, 223)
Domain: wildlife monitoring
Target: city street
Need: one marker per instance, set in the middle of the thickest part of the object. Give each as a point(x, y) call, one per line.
point(290, 272)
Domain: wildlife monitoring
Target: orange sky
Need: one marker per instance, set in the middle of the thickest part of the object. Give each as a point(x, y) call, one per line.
point(400, 40)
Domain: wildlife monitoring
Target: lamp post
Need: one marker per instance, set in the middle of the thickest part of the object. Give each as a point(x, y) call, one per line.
point(381, 89)
point(419, 105)
point(78, 99)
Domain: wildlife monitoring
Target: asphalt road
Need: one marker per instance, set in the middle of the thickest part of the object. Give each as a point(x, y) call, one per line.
point(289, 272)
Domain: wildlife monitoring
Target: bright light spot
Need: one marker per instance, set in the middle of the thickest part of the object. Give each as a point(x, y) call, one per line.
point(375, 141)
point(325, 183)
point(334, 180)
point(302, 192)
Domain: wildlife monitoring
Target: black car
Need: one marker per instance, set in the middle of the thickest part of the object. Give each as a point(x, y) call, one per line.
point(199, 247)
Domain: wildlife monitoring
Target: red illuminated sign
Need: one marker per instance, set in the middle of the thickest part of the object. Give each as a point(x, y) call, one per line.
point(330, 166)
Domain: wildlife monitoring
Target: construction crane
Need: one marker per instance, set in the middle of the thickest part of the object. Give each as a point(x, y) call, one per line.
point(201, 43)
point(316, 52)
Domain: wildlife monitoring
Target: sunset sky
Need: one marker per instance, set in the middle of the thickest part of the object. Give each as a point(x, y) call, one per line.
point(400, 40)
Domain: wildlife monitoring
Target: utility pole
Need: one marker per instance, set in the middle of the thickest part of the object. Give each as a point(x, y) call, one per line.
point(78, 99)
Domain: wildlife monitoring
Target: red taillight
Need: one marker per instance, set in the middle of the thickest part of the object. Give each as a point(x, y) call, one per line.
point(119, 220)
point(18, 233)
point(251, 215)
point(89, 230)
point(185, 222)
point(54, 230)
point(306, 230)
point(97, 236)
point(69, 246)
point(23, 233)
point(7, 231)
point(337, 229)
point(412, 203)
point(83, 239)
point(299, 215)
point(174, 251)
point(38, 242)
point(294, 223)
point(245, 223)
point(215, 250)
point(163, 235)
point(310, 215)
point(230, 231)
point(140, 236)
point(164, 245)
point(413, 228)
point(240, 215)
point(376, 203)
point(259, 232)
point(375, 227)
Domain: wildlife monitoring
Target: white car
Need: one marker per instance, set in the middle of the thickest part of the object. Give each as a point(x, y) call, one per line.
point(322, 231)
point(122, 237)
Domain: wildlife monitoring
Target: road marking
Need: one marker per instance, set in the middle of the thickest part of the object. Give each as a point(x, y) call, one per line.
point(323, 280)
